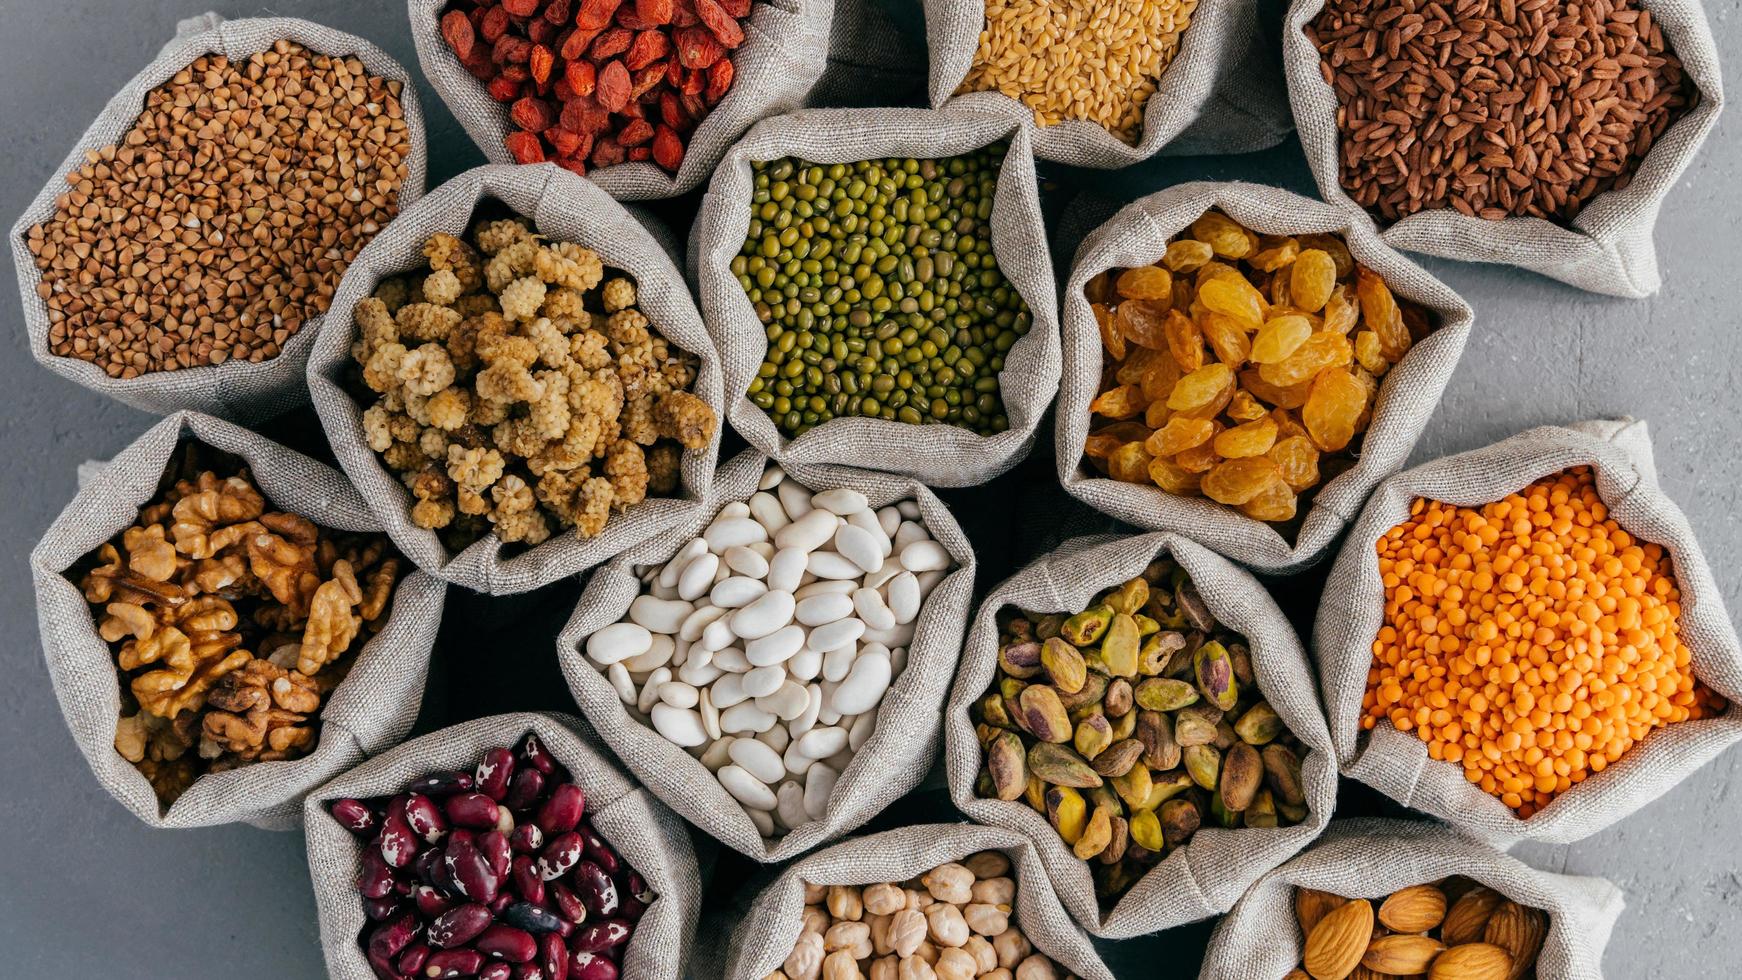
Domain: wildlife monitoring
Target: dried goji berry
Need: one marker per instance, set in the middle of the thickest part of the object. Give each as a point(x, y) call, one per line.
point(512, 49)
point(479, 64)
point(580, 75)
point(724, 25)
point(667, 148)
point(674, 73)
point(693, 106)
point(541, 63)
point(503, 89)
point(611, 44)
point(671, 110)
point(648, 47)
point(640, 153)
point(596, 14)
point(654, 11)
point(737, 8)
point(520, 8)
point(517, 73)
point(574, 44)
point(533, 115)
point(697, 48)
point(694, 82)
point(458, 33)
point(574, 165)
point(557, 12)
point(583, 115)
point(635, 132)
point(563, 141)
point(606, 152)
point(541, 31)
point(631, 111)
point(628, 17)
point(613, 90)
point(720, 75)
point(494, 25)
point(647, 79)
point(525, 148)
point(684, 14)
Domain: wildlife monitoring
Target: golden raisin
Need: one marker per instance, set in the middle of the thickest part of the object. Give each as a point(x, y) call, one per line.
point(1250, 439)
point(1368, 353)
point(1281, 396)
point(1244, 408)
point(1233, 296)
point(1141, 321)
point(1119, 403)
point(1311, 280)
point(1129, 463)
point(1200, 458)
point(1340, 312)
point(1203, 392)
point(1145, 282)
point(1333, 409)
point(1298, 459)
point(1319, 351)
point(1380, 312)
point(1184, 341)
point(1280, 337)
point(1223, 234)
point(1187, 255)
point(1274, 254)
point(1239, 480)
point(1111, 338)
point(1227, 338)
point(1275, 503)
point(1179, 434)
point(1170, 477)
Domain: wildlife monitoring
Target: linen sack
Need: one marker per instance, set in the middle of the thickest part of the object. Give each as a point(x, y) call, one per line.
point(1261, 939)
point(1397, 763)
point(645, 834)
point(242, 391)
point(563, 207)
point(938, 455)
point(892, 761)
point(1138, 235)
point(786, 45)
point(1207, 875)
point(1606, 249)
point(1222, 93)
point(371, 709)
point(766, 935)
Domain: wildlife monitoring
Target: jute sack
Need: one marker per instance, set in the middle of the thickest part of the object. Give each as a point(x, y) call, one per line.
point(1138, 235)
point(373, 708)
point(938, 455)
point(1261, 939)
point(238, 390)
point(900, 749)
point(766, 935)
point(566, 208)
point(786, 45)
point(1608, 247)
point(645, 834)
point(1397, 764)
point(1222, 93)
point(1210, 872)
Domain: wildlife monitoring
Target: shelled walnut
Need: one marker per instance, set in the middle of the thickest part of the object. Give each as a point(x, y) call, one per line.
point(230, 623)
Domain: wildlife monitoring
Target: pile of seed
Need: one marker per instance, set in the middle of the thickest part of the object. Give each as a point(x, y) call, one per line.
point(224, 219)
point(1077, 59)
point(1514, 109)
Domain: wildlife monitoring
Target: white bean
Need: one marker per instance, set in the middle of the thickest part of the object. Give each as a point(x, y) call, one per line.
point(710, 716)
point(758, 760)
point(909, 509)
point(835, 635)
point(745, 717)
point(776, 647)
point(680, 726)
point(760, 682)
point(809, 532)
point(903, 593)
point(771, 477)
point(745, 788)
point(864, 686)
point(794, 499)
point(698, 576)
point(619, 677)
point(823, 587)
point(649, 695)
point(747, 562)
point(796, 762)
point(699, 673)
point(832, 564)
point(775, 738)
point(839, 661)
point(715, 755)
point(733, 531)
point(819, 785)
point(925, 556)
point(668, 575)
point(860, 730)
point(824, 608)
point(718, 634)
point(728, 691)
point(660, 615)
point(763, 821)
point(888, 518)
point(820, 743)
point(805, 665)
point(900, 636)
point(789, 804)
point(765, 507)
point(859, 546)
point(679, 694)
point(736, 592)
point(786, 569)
point(618, 642)
point(762, 617)
point(787, 702)
point(840, 500)
point(868, 603)
point(736, 508)
point(658, 654)
point(812, 709)
point(695, 622)
point(732, 660)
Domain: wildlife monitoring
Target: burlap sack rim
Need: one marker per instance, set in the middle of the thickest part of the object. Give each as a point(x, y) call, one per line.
point(1136, 913)
point(924, 133)
point(1432, 843)
point(1182, 94)
point(707, 805)
point(1385, 446)
point(793, 34)
point(340, 923)
point(658, 284)
point(890, 850)
point(1620, 454)
point(339, 745)
point(229, 383)
point(1518, 240)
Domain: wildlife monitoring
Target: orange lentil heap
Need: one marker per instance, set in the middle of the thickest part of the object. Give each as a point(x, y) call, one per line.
point(1532, 640)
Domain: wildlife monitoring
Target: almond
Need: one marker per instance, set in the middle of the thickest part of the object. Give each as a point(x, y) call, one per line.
point(1519, 931)
point(1415, 909)
point(1401, 955)
point(1335, 944)
point(1468, 916)
point(1311, 905)
point(1472, 961)
point(1297, 974)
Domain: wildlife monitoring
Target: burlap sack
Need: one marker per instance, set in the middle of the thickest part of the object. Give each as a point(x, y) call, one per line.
point(1260, 939)
point(891, 762)
point(1207, 875)
point(1138, 235)
point(645, 834)
point(1608, 247)
point(938, 455)
point(1350, 614)
point(238, 390)
point(373, 708)
point(763, 939)
point(567, 208)
point(786, 44)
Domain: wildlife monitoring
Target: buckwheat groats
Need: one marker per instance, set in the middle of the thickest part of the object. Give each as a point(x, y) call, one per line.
point(517, 389)
point(223, 220)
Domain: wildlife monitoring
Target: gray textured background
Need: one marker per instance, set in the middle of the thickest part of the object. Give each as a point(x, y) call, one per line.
point(86, 891)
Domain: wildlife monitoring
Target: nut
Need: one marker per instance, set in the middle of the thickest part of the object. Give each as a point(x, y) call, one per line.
point(1519, 931)
point(1336, 944)
point(1401, 954)
point(1472, 961)
point(1417, 908)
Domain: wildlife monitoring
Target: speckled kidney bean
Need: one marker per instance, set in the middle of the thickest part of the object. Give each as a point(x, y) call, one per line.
point(356, 817)
point(596, 937)
point(505, 942)
point(473, 810)
point(375, 880)
point(526, 788)
point(534, 754)
point(412, 960)
point(567, 903)
point(384, 908)
point(496, 971)
point(599, 851)
point(536, 919)
point(494, 847)
point(451, 963)
point(596, 889)
point(430, 903)
point(560, 856)
point(528, 971)
point(553, 957)
point(591, 966)
point(524, 877)
point(443, 784)
point(526, 839)
point(495, 772)
point(425, 818)
point(459, 925)
point(562, 810)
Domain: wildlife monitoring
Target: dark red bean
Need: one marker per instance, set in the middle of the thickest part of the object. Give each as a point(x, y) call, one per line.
point(534, 754)
point(450, 963)
point(392, 937)
point(533, 918)
point(553, 956)
point(494, 772)
point(523, 874)
point(529, 971)
point(415, 956)
point(597, 937)
point(443, 784)
point(469, 869)
point(397, 842)
point(474, 810)
point(459, 925)
point(567, 903)
point(383, 908)
point(599, 850)
point(632, 909)
point(383, 966)
point(425, 818)
point(559, 857)
point(524, 792)
point(561, 812)
point(596, 889)
point(494, 846)
point(505, 942)
point(496, 971)
point(429, 902)
point(526, 839)
point(638, 888)
point(375, 880)
point(355, 816)
point(591, 966)
point(500, 903)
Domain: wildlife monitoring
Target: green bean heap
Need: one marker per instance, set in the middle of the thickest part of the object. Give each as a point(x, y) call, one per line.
point(879, 292)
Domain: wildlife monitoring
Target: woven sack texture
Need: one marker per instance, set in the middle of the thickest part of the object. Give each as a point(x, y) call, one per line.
point(939, 455)
point(1410, 391)
point(645, 834)
point(765, 936)
point(1260, 939)
point(564, 207)
point(1607, 249)
point(1222, 93)
point(1397, 764)
point(241, 391)
point(786, 46)
point(373, 708)
point(1206, 876)
point(891, 762)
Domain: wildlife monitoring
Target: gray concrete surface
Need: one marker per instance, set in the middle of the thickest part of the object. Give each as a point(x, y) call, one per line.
point(86, 891)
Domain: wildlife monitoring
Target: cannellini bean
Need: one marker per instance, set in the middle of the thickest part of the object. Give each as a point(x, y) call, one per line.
point(766, 508)
point(679, 694)
point(698, 576)
point(620, 680)
point(747, 562)
point(762, 617)
point(794, 499)
point(777, 647)
point(859, 546)
point(673, 569)
point(809, 532)
point(680, 726)
point(618, 642)
point(736, 592)
point(833, 565)
point(925, 556)
point(660, 615)
point(786, 569)
point(869, 605)
point(824, 608)
point(840, 500)
point(819, 784)
point(745, 788)
point(733, 531)
point(758, 760)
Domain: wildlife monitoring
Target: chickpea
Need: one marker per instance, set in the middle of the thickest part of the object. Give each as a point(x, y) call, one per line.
point(1036, 967)
point(845, 903)
point(806, 959)
point(995, 891)
point(914, 968)
point(956, 964)
point(949, 883)
point(846, 935)
point(883, 899)
point(917, 900)
point(840, 965)
point(885, 968)
point(1012, 946)
point(879, 934)
point(988, 864)
point(948, 928)
point(815, 919)
point(998, 974)
point(906, 931)
point(814, 894)
point(985, 958)
point(927, 952)
point(987, 920)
